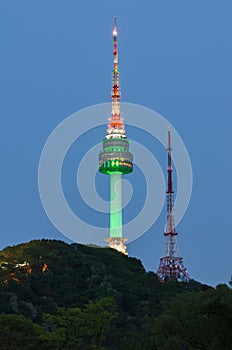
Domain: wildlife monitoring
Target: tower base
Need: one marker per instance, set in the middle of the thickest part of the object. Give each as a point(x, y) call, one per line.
point(172, 268)
point(117, 243)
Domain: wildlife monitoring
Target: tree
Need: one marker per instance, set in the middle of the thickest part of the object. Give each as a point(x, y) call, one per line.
point(82, 329)
point(18, 332)
point(197, 321)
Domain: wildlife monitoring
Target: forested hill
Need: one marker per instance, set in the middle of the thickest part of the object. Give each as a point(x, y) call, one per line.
point(59, 296)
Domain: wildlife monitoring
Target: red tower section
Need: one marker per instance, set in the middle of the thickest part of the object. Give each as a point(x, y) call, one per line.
point(171, 265)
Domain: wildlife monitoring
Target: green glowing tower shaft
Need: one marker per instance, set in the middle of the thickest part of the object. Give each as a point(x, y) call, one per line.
point(115, 159)
point(116, 205)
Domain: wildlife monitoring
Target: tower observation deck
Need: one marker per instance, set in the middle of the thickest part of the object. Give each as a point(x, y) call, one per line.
point(171, 265)
point(115, 160)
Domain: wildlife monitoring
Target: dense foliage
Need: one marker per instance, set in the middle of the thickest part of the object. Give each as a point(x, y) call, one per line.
point(59, 296)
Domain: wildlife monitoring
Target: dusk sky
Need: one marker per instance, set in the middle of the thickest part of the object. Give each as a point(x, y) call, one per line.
point(175, 57)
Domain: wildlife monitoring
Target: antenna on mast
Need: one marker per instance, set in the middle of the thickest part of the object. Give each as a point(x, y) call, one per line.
point(171, 264)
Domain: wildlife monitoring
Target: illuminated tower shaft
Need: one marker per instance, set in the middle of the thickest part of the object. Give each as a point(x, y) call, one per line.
point(171, 264)
point(116, 205)
point(115, 159)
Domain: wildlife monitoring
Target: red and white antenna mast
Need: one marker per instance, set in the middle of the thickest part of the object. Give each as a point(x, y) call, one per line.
point(171, 265)
point(116, 127)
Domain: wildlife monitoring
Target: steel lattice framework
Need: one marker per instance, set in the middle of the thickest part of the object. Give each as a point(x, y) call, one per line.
point(171, 265)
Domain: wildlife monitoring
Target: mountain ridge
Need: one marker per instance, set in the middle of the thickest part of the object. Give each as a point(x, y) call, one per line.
point(48, 284)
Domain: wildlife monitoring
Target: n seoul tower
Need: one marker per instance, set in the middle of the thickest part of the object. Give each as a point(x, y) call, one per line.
point(171, 265)
point(115, 160)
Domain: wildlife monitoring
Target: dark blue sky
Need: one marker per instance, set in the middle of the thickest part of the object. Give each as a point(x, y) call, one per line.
point(175, 58)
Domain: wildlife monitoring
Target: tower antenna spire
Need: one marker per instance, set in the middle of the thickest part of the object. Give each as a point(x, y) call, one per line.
point(115, 159)
point(115, 122)
point(171, 264)
point(115, 22)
